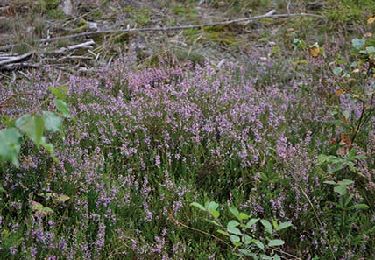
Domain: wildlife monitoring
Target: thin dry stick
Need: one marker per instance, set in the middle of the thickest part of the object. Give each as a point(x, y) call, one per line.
point(317, 216)
point(170, 216)
point(287, 254)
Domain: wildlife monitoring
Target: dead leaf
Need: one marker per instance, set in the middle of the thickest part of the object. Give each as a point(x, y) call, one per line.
point(345, 139)
point(371, 20)
point(345, 144)
point(356, 70)
point(339, 92)
point(314, 50)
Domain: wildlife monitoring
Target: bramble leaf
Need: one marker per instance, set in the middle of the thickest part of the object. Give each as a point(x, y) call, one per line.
point(32, 127)
point(10, 145)
point(267, 226)
point(62, 107)
point(52, 121)
point(276, 242)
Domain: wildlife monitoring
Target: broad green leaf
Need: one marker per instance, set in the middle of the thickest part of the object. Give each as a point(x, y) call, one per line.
point(276, 242)
point(285, 224)
point(62, 107)
point(233, 223)
point(243, 216)
point(360, 206)
point(247, 252)
point(336, 167)
point(212, 205)
point(49, 147)
point(222, 232)
point(267, 226)
point(52, 121)
point(10, 145)
point(340, 189)
point(234, 211)
point(251, 222)
point(259, 244)
point(234, 230)
point(345, 182)
point(214, 213)
point(358, 43)
point(197, 205)
point(59, 92)
point(235, 239)
point(246, 239)
point(237, 214)
point(32, 127)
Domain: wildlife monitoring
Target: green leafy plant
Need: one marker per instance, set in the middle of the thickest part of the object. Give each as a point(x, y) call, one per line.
point(337, 163)
point(243, 232)
point(33, 126)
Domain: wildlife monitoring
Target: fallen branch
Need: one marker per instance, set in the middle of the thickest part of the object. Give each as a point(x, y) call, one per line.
point(85, 45)
point(5, 60)
point(17, 66)
point(9, 62)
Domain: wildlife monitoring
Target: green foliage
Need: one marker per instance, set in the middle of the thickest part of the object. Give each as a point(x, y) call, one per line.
point(241, 232)
point(33, 127)
point(10, 145)
point(337, 163)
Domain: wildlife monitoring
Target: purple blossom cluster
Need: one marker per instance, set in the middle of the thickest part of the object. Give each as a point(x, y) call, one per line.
point(140, 140)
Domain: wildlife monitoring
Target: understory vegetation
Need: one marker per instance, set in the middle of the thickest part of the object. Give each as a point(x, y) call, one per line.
point(193, 158)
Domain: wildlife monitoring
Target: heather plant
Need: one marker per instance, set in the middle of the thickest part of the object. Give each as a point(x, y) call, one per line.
point(143, 144)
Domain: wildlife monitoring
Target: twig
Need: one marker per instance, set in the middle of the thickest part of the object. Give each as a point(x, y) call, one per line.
point(317, 217)
point(359, 123)
point(287, 254)
point(170, 216)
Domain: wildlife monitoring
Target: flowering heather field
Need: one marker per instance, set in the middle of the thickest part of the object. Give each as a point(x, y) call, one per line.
point(141, 146)
point(272, 158)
